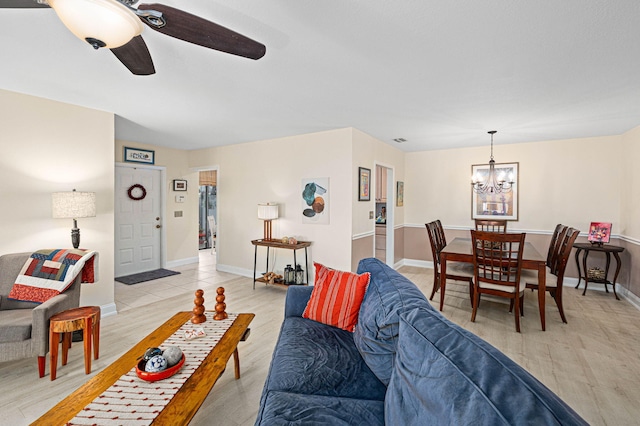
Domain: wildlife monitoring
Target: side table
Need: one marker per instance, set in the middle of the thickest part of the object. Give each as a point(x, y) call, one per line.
point(85, 318)
point(607, 249)
point(279, 244)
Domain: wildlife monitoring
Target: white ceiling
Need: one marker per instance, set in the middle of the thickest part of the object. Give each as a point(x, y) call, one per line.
point(438, 73)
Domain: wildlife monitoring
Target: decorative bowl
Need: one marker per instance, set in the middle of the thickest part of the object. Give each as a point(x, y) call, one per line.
point(160, 375)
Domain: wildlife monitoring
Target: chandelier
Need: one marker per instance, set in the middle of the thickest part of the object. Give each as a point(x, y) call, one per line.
point(493, 183)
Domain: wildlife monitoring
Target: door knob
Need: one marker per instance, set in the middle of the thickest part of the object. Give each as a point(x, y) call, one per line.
point(157, 218)
point(158, 226)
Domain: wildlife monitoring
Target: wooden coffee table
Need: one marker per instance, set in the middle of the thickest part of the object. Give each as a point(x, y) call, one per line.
point(184, 405)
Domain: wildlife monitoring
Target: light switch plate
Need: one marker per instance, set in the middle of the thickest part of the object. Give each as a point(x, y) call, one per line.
point(371, 214)
point(180, 198)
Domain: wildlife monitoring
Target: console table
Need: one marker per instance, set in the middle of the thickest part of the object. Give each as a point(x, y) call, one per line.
point(280, 245)
point(607, 249)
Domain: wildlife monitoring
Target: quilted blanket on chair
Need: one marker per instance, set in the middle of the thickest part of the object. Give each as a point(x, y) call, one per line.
point(49, 272)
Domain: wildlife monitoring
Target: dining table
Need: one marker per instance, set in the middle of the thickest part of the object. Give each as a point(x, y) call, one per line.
point(461, 250)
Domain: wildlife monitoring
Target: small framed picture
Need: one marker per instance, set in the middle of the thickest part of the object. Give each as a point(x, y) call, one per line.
point(599, 232)
point(364, 184)
point(400, 194)
point(179, 185)
point(135, 155)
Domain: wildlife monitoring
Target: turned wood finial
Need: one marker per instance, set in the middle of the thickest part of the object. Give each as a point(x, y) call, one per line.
point(198, 310)
point(220, 305)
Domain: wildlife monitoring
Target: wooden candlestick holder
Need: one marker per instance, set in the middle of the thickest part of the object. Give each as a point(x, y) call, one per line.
point(198, 310)
point(220, 305)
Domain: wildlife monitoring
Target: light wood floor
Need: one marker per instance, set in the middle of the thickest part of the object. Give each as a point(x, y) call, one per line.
point(593, 363)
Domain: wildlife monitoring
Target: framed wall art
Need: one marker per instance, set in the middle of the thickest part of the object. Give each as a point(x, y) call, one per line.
point(135, 155)
point(179, 185)
point(399, 194)
point(495, 205)
point(315, 201)
point(364, 184)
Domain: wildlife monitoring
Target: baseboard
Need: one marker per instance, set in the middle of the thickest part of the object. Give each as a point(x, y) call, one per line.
point(182, 262)
point(620, 291)
point(417, 263)
point(235, 270)
point(108, 310)
point(630, 297)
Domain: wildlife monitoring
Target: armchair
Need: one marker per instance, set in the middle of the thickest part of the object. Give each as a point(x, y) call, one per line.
point(24, 326)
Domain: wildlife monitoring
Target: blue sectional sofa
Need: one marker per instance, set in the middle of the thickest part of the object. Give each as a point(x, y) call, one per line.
point(405, 364)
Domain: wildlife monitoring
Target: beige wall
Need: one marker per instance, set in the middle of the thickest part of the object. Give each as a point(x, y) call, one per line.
point(367, 152)
point(272, 171)
point(573, 182)
point(630, 182)
point(569, 181)
point(181, 232)
point(50, 146)
point(630, 209)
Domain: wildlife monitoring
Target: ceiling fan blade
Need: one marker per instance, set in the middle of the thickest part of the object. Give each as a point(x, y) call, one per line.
point(196, 30)
point(135, 56)
point(22, 4)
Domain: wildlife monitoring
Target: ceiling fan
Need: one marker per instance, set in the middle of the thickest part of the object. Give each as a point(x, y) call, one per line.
point(117, 25)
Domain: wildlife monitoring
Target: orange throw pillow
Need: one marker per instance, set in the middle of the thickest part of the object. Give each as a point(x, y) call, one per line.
point(336, 297)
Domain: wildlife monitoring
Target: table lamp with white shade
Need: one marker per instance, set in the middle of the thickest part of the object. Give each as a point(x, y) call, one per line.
point(267, 212)
point(73, 205)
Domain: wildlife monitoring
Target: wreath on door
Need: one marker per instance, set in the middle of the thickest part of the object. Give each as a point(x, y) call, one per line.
point(142, 192)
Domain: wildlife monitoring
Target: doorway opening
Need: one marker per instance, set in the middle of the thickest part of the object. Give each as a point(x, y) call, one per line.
point(383, 235)
point(208, 210)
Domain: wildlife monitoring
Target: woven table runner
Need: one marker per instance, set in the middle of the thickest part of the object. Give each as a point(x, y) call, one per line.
point(133, 401)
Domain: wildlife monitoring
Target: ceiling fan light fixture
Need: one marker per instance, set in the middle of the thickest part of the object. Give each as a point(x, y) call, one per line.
point(108, 22)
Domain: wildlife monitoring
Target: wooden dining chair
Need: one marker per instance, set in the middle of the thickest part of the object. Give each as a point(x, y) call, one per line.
point(497, 261)
point(555, 268)
point(491, 225)
point(456, 271)
point(555, 240)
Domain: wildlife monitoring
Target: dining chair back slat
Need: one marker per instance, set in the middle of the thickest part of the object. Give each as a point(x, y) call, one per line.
point(491, 225)
point(497, 261)
point(555, 240)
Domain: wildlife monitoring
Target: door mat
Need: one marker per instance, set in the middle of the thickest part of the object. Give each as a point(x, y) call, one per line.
point(146, 276)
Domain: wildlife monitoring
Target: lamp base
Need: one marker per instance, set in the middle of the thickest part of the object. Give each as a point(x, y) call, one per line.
point(75, 237)
point(267, 230)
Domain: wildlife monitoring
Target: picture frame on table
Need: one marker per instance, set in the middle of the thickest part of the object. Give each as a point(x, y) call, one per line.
point(599, 233)
point(503, 205)
point(179, 185)
point(136, 155)
point(364, 184)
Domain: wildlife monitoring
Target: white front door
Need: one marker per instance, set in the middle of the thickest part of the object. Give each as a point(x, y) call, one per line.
point(137, 221)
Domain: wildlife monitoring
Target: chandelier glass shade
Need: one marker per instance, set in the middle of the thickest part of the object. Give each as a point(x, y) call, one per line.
point(101, 23)
point(493, 182)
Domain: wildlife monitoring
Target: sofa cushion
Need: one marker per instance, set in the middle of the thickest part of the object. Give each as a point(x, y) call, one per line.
point(314, 358)
point(284, 408)
point(376, 333)
point(16, 325)
point(460, 379)
point(336, 297)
